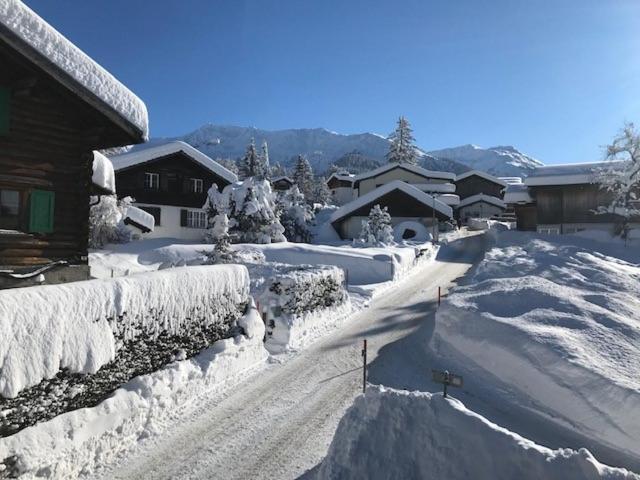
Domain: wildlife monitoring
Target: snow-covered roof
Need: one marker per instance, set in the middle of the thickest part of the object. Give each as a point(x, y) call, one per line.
point(148, 154)
point(449, 199)
point(481, 174)
point(411, 190)
point(282, 178)
point(511, 180)
point(139, 218)
point(436, 187)
point(517, 193)
point(481, 197)
point(566, 174)
point(50, 50)
point(103, 175)
point(407, 166)
point(346, 177)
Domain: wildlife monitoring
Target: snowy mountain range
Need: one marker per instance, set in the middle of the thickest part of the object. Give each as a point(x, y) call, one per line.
point(356, 152)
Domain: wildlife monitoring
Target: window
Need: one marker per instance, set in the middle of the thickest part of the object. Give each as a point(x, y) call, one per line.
point(41, 211)
point(9, 209)
point(152, 181)
point(195, 185)
point(196, 219)
point(155, 211)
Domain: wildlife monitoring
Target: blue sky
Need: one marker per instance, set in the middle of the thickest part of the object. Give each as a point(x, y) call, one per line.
point(554, 78)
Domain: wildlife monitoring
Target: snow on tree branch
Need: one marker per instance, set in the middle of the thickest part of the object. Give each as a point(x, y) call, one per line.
point(377, 230)
point(402, 148)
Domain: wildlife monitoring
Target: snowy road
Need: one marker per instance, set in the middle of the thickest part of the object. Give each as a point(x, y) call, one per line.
point(279, 423)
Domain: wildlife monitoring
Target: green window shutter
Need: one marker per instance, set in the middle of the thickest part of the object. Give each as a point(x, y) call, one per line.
point(5, 101)
point(41, 211)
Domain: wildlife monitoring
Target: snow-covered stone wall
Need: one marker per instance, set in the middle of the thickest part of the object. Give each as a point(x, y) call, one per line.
point(61, 342)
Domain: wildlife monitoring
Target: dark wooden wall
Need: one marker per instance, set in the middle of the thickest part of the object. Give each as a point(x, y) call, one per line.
point(474, 184)
point(49, 146)
point(175, 170)
point(337, 183)
point(526, 217)
point(571, 204)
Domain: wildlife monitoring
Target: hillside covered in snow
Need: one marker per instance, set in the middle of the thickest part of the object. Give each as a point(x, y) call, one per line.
point(357, 152)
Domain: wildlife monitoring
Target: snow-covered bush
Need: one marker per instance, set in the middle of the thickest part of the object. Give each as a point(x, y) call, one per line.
point(251, 209)
point(295, 215)
point(106, 221)
point(219, 236)
point(377, 229)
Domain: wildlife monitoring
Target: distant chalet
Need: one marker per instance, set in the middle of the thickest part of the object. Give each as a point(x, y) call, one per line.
point(56, 107)
point(170, 181)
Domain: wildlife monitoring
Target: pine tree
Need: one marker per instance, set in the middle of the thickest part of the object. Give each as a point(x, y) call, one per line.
point(377, 229)
point(303, 177)
point(219, 236)
point(295, 215)
point(252, 164)
point(321, 192)
point(264, 160)
point(402, 148)
point(277, 170)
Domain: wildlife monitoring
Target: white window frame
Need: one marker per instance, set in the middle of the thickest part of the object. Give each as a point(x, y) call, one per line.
point(196, 185)
point(151, 181)
point(196, 219)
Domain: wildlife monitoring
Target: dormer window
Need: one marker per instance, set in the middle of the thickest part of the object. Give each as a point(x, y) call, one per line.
point(195, 185)
point(152, 181)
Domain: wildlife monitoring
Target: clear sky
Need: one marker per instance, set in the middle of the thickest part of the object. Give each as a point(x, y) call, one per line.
point(555, 78)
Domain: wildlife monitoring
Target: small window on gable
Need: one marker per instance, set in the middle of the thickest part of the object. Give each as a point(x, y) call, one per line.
point(151, 181)
point(5, 102)
point(195, 185)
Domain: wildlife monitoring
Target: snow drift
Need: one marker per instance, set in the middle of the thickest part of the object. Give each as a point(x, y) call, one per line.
point(80, 326)
point(556, 320)
point(397, 434)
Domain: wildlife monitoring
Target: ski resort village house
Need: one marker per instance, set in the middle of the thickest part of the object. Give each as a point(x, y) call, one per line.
point(341, 187)
point(282, 183)
point(170, 181)
point(481, 195)
point(56, 107)
point(562, 199)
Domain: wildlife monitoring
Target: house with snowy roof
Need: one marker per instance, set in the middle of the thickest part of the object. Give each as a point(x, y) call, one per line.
point(281, 183)
point(57, 106)
point(561, 199)
point(481, 195)
point(407, 205)
point(340, 185)
point(170, 181)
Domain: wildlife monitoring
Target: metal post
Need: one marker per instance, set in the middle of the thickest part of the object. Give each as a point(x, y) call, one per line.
point(445, 390)
point(364, 366)
point(433, 217)
point(439, 296)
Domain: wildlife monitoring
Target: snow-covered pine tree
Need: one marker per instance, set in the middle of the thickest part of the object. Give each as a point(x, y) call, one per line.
point(277, 170)
point(252, 164)
point(264, 160)
point(303, 177)
point(295, 215)
point(402, 148)
point(622, 177)
point(229, 163)
point(377, 230)
point(106, 221)
point(219, 234)
point(321, 192)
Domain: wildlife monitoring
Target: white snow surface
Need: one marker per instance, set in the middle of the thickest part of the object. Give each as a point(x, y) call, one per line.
point(51, 327)
point(517, 193)
point(77, 442)
point(481, 174)
point(569, 174)
point(554, 321)
point(103, 175)
point(481, 197)
point(148, 153)
point(407, 166)
point(54, 47)
point(140, 217)
point(398, 434)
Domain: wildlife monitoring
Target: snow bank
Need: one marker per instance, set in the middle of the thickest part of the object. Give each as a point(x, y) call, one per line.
point(103, 175)
point(79, 326)
point(556, 320)
point(140, 218)
point(77, 442)
point(397, 434)
point(54, 47)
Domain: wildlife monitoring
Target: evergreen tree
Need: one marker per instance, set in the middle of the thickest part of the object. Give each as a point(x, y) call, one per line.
point(264, 160)
point(303, 177)
point(295, 215)
point(377, 230)
point(402, 148)
point(229, 163)
point(219, 236)
point(277, 170)
point(321, 192)
point(252, 164)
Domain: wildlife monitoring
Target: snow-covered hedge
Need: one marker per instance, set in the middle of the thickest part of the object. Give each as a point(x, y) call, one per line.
point(52, 332)
point(398, 434)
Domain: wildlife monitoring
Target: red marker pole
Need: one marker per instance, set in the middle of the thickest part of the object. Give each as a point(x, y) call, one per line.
point(364, 366)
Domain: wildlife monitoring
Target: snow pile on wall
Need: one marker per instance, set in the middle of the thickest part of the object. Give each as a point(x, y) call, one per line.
point(103, 175)
point(299, 303)
point(52, 45)
point(77, 442)
point(80, 326)
point(556, 320)
point(397, 434)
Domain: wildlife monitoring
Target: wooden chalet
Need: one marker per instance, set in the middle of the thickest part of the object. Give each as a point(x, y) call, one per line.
point(56, 107)
point(282, 183)
point(170, 181)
